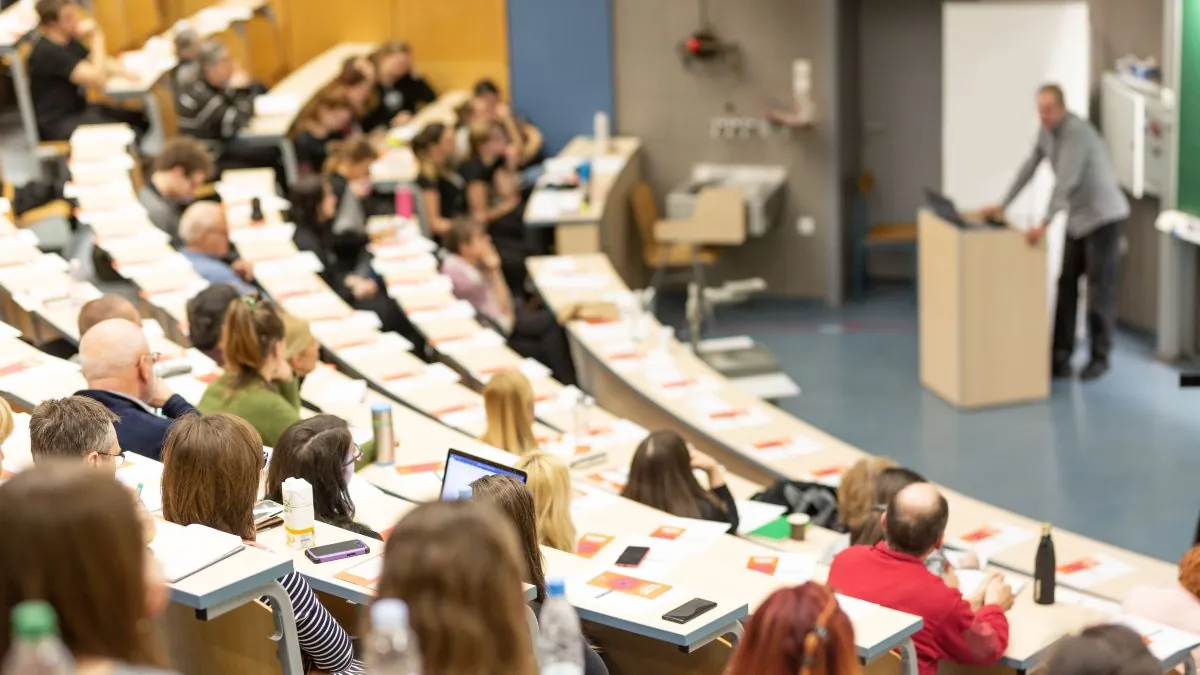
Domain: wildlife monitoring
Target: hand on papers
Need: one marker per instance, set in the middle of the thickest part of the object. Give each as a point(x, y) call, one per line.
point(361, 287)
point(993, 591)
point(244, 269)
point(1034, 234)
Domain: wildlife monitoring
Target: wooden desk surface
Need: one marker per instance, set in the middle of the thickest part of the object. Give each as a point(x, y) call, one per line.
point(808, 452)
point(302, 84)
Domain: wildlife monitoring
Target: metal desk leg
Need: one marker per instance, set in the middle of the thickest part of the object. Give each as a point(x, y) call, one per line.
point(288, 645)
point(1189, 665)
point(291, 168)
point(24, 99)
point(908, 658)
point(154, 114)
point(734, 636)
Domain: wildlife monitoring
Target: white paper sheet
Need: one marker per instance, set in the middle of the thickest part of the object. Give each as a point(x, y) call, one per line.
point(793, 568)
point(991, 539)
point(1091, 571)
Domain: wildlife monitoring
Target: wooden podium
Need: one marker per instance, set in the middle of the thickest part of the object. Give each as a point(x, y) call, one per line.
point(985, 334)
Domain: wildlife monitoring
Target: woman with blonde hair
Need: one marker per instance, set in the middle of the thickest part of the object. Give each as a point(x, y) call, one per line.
point(458, 566)
point(6, 427)
point(508, 402)
point(549, 481)
point(856, 502)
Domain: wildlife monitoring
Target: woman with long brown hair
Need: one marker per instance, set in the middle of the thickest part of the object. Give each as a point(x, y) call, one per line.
point(325, 119)
point(549, 481)
point(661, 477)
point(401, 92)
point(211, 467)
point(443, 192)
point(514, 501)
point(508, 403)
point(320, 450)
point(800, 631)
point(458, 567)
point(258, 383)
point(72, 539)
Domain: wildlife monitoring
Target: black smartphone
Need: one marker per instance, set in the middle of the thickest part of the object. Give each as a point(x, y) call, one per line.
point(689, 610)
point(342, 549)
point(632, 556)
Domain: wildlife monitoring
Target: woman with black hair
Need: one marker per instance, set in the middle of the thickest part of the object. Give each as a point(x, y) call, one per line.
point(344, 257)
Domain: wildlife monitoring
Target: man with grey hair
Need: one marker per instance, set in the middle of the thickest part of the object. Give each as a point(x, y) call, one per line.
point(216, 104)
point(205, 235)
point(74, 428)
point(1086, 187)
point(119, 368)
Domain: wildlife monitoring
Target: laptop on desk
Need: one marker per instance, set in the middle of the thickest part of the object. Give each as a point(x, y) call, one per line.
point(947, 211)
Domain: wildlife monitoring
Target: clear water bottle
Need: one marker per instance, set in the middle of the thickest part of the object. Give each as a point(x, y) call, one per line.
point(560, 642)
point(392, 646)
point(36, 647)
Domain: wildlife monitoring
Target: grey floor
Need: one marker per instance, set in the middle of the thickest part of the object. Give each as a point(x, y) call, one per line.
point(1117, 459)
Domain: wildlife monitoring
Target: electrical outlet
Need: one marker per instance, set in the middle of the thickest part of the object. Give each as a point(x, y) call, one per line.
point(806, 226)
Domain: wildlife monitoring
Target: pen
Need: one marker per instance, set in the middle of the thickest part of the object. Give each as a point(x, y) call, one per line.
point(139, 490)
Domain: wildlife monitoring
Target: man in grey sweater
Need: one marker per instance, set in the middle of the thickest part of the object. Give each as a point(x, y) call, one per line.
point(181, 169)
point(1086, 186)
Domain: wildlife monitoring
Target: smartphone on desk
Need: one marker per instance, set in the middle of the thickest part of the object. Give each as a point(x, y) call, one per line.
point(342, 549)
point(689, 610)
point(632, 556)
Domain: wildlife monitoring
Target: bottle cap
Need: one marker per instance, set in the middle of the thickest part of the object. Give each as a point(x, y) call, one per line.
point(464, 494)
point(381, 407)
point(389, 614)
point(34, 619)
point(1046, 528)
point(556, 587)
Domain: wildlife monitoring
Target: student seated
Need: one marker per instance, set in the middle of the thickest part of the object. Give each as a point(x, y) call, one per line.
point(75, 428)
point(179, 171)
point(324, 120)
point(346, 262)
point(1107, 649)
point(862, 496)
point(71, 539)
point(443, 191)
point(187, 54)
point(206, 316)
point(6, 428)
point(217, 105)
point(300, 348)
point(508, 403)
point(356, 83)
point(105, 307)
point(526, 138)
point(473, 266)
point(399, 90)
point(549, 482)
point(61, 69)
point(320, 450)
point(222, 455)
point(797, 630)
point(856, 490)
point(258, 384)
point(1177, 606)
point(970, 631)
point(450, 560)
point(513, 501)
point(119, 369)
point(494, 199)
point(205, 235)
point(661, 477)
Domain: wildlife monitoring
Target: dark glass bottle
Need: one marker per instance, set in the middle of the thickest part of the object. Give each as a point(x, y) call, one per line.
point(1044, 569)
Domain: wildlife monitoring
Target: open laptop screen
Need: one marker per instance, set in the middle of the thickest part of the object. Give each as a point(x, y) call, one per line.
point(462, 469)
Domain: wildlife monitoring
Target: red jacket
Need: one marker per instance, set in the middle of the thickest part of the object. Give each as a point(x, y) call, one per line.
point(952, 631)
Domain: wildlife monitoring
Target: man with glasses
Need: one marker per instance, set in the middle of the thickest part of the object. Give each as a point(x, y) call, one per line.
point(119, 368)
point(75, 428)
point(205, 235)
point(182, 167)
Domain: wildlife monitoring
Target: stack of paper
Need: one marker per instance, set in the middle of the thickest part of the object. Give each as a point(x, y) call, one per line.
point(183, 551)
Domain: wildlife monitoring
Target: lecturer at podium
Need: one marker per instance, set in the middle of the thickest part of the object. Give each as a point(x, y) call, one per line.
point(1086, 186)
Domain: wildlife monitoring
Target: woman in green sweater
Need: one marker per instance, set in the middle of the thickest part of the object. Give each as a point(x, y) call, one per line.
point(258, 384)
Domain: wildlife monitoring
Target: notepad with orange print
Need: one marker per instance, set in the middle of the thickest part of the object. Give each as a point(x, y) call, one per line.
point(790, 567)
point(1091, 570)
point(613, 480)
point(621, 583)
point(991, 538)
point(829, 475)
point(718, 414)
point(779, 447)
point(365, 574)
point(590, 544)
point(427, 467)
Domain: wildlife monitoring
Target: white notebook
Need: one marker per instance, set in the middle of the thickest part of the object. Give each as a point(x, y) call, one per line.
point(183, 551)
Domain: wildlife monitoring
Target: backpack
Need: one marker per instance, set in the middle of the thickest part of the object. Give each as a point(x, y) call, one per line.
point(818, 501)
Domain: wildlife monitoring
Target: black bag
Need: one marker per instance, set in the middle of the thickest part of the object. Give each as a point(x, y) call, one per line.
point(818, 501)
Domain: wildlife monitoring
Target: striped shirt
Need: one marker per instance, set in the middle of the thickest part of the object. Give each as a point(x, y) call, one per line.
point(324, 644)
point(213, 115)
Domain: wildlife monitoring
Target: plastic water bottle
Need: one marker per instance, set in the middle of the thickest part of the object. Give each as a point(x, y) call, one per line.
point(560, 642)
point(392, 646)
point(36, 647)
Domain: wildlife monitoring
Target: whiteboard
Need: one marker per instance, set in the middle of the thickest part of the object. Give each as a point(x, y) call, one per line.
point(994, 58)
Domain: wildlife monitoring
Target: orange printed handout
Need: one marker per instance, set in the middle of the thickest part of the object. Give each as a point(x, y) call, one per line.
point(591, 543)
point(668, 532)
point(767, 564)
point(621, 583)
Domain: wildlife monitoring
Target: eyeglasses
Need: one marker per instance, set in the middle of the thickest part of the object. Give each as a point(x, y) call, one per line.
point(358, 454)
point(118, 458)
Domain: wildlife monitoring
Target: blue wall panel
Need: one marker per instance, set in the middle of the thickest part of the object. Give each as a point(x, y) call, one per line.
point(560, 55)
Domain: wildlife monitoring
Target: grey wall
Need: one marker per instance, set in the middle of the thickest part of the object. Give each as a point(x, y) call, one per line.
point(669, 108)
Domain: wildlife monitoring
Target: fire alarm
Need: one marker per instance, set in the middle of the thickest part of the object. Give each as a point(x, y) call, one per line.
point(704, 46)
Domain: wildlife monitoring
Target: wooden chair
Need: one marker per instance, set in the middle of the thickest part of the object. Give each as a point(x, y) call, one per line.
point(660, 256)
point(236, 642)
point(878, 236)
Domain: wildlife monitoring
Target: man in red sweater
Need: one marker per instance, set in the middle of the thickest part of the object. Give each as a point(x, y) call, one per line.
point(971, 631)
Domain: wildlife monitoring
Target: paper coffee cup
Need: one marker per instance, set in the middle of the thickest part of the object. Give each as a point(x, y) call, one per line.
point(799, 523)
